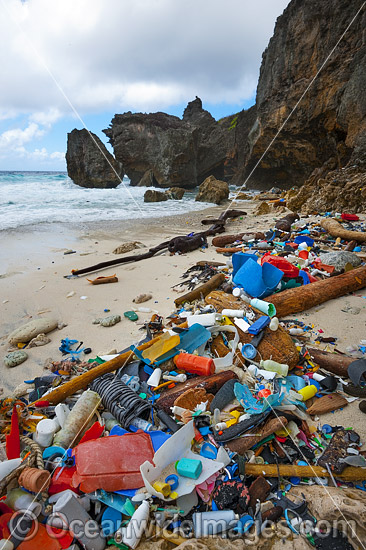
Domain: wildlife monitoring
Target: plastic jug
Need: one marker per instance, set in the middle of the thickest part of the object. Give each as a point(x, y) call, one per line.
point(112, 463)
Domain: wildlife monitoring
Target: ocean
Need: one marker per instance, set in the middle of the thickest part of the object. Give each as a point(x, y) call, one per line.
point(33, 198)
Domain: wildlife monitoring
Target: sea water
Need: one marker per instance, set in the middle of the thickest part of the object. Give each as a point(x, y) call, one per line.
point(33, 198)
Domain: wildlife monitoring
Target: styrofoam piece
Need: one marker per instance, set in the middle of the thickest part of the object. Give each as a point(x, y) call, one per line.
point(206, 319)
point(176, 447)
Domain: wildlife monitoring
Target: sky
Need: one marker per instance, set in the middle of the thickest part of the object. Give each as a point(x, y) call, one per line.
point(75, 63)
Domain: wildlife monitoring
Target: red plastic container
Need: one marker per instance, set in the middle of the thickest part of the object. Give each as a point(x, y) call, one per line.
point(288, 269)
point(194, 364)
point(112, 463)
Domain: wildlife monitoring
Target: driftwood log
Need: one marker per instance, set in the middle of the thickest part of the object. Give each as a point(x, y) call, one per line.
point(211, 384)
point(335, 229)
point(177, 244)
point(332, 362)
point(223, 240)
point(302, 298)
point(202, 290)
point(291, 470)
point(243, 444)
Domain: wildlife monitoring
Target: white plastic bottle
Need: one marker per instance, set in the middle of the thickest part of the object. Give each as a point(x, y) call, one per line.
point(213, 523)
point(131, 535)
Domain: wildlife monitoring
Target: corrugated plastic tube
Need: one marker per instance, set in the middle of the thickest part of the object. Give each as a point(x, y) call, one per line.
point(121, 401)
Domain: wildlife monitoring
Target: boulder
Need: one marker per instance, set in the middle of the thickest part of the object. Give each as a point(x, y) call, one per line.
point(30, 330)
point(89, 163)
point(340, 258)
point(262, 209)
point(330, 117)
point(213, 190)
point(339, 190)
point(176, 193)
point(152, 195)
point(166, 151)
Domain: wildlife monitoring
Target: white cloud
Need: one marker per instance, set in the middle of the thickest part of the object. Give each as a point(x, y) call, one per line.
point(43, 155)
point(57, 155)
point(16, 137)
point(46, 118)
point(123, 55)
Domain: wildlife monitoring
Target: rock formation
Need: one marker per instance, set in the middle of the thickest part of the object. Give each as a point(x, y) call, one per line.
point(89, 163)
point(152, 195)
point(213, 190)
point(335, 189)
point(324, 132)
point(165, 151)
point(331, 116)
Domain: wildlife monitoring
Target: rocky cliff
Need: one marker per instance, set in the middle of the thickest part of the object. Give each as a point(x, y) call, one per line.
point(331, 116)
point(324, 132)
point(89, 163)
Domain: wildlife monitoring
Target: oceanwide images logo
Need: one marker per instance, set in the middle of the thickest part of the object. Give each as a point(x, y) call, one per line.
point(57, 526)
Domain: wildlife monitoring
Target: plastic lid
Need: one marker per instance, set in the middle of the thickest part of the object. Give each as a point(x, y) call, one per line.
point(248, 351)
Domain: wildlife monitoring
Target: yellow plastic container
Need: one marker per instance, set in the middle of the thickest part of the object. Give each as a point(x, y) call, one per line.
point(308, 392)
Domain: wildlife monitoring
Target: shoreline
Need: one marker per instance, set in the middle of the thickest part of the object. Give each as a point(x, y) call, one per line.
point(33, 283)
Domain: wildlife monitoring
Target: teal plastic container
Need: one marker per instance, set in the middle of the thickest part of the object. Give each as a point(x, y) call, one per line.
point(189, 467)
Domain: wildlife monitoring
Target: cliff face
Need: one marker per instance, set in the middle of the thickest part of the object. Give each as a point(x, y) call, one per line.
point(89, 163)
point(323, 133)
point(175, 152)
point(331, 116)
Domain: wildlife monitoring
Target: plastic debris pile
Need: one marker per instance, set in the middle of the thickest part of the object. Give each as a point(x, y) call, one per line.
point(206, 427)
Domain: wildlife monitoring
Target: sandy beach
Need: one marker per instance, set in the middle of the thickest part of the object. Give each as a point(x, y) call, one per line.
point(32, 285)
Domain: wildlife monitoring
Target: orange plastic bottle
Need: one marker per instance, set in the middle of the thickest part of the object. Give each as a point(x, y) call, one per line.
point(194, 364)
